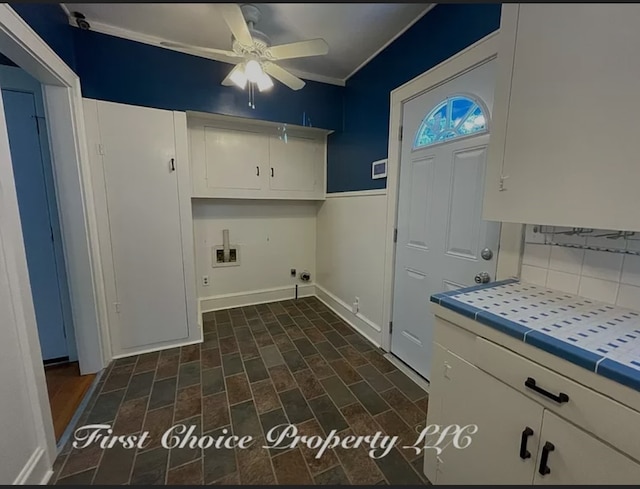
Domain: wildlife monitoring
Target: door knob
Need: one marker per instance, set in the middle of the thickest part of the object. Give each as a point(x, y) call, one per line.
point(482, 278)
point(486, 254)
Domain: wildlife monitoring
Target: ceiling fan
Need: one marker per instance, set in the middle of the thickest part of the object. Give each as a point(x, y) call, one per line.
point(252, 53)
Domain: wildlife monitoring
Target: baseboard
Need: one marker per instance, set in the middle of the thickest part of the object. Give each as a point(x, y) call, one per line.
point(157, 348)
point(37, 470)
point(359, 322)
point(227, 301)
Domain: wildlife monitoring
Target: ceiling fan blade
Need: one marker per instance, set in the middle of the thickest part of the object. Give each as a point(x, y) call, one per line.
point(232, 15)
point(312, 47)
point(293, 82)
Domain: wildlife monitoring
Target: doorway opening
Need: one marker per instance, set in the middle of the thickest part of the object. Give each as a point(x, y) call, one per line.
point(28, 134)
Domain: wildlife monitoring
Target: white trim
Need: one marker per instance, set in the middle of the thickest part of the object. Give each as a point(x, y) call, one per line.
point(123, 33)
point(359, 322)
point(35, 471)
point(168, 346)
point(61, 89)
point(241, 299)
point(476, 54)
point(390, 41)
point(357, 193)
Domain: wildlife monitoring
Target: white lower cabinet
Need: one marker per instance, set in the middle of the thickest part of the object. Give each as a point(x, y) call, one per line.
point(568, 455)
point(462, 394)
point(519, 440)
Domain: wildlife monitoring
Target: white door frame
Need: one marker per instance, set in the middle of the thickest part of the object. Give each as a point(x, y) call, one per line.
point(511, 234)
point(63, 106)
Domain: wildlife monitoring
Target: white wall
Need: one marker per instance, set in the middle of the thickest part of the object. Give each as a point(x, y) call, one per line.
point(351, 251)
point(599, 275)
point(273, 237)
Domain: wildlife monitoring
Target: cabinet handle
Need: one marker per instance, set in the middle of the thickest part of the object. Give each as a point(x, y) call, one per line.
point(524, 453)
point(173, 164)
point(560, 398)
point(271, 171)
point(257, 171)
point(544, 468)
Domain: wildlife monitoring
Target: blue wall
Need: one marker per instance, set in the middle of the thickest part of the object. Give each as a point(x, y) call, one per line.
point(119, 70)
point(52, 25)
point(441, 33)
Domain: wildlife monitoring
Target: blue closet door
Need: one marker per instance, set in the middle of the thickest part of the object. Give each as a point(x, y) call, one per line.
point(28, 170)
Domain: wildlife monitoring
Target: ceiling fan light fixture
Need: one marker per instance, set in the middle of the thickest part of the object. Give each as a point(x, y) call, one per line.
point(239, 77)
point(264, 82)
point(253, 71)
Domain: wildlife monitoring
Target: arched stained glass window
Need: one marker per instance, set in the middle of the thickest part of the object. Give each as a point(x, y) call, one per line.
point(457, 116)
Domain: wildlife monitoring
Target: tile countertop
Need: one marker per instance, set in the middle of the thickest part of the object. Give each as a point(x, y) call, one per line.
point(597, 336)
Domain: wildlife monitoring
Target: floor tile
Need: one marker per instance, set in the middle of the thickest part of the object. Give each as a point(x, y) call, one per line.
point(305, 347)
point(335, 339)
point(282, 378)
point(228, 345)
point(283, 343)
point(352, 356)
point(156, 423)
point(188, 474)
point(244, 420)
point(271, 356)
point(254, 465)
point(79, 479)
point(188, 402)
point(150, 467)
point(376, 379)
point(147, 362)
point(328, 351)
point(167, 367)
point(405, 408)
point(210, 358)
point(407, 386)
point(232, 364)
point(139, 386)
point(359, 467)
point(270, 421)
point(238, 388)
point(188, 374)
point(369, 398)
point(397, 470)
point(339, 393)
point(181, 455)
point(295, 406)
point(394, 425)
point(189, 353)
point(316, 464)
point(255, 369)
point(218, 462)
point(308, 383)
point(118, 378)
point(265, 396)
point(212, 381)
point(106, 407)
point(290, 468)
point(81, 460)
point(359, 419)
point(332, 477)
point(130, 416)
point(163, 392)
point(379, 362)
point(215, 412)
point(327, 414)
point(294, 360)
point(345, 371)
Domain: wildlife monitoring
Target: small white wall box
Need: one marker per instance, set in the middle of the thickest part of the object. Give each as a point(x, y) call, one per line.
point(379, 169)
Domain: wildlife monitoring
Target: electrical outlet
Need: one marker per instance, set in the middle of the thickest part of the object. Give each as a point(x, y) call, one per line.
point(205, 280)
point(293, 272)
point(355, 307)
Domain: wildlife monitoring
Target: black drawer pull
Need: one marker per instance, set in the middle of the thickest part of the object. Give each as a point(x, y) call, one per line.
point(560, 398)
point(544, 468)
point(524, 453)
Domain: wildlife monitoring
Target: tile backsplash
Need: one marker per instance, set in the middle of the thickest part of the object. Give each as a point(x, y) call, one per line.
point(600, 275)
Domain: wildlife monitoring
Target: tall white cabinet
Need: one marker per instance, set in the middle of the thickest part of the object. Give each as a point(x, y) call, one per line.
point(140, 172)
point(244, 159)
point(565, 117)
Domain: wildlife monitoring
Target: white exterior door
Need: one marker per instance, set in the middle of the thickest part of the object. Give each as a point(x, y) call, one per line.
point(441, 235)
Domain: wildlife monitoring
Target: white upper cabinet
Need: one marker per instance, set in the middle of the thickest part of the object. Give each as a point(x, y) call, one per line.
point(563, 147)
point(235, 158)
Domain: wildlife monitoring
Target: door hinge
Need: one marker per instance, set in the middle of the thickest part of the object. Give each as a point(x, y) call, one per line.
point(395, 235)
point(390, 327)
point(116, 305)
point(501, 186)
point(100, 149)
point(400, 133)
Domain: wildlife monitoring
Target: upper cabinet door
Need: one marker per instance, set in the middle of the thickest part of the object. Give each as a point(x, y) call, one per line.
point(294, 163)
point(568, 455)
point(234, 159)
point(564, 148)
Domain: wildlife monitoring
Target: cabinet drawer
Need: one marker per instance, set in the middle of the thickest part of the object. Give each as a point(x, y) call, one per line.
point(593, 412)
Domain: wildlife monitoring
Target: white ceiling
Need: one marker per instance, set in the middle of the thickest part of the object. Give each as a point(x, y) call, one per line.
point(355, 32)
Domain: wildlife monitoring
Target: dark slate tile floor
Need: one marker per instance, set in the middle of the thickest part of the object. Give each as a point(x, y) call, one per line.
point(258, 367)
